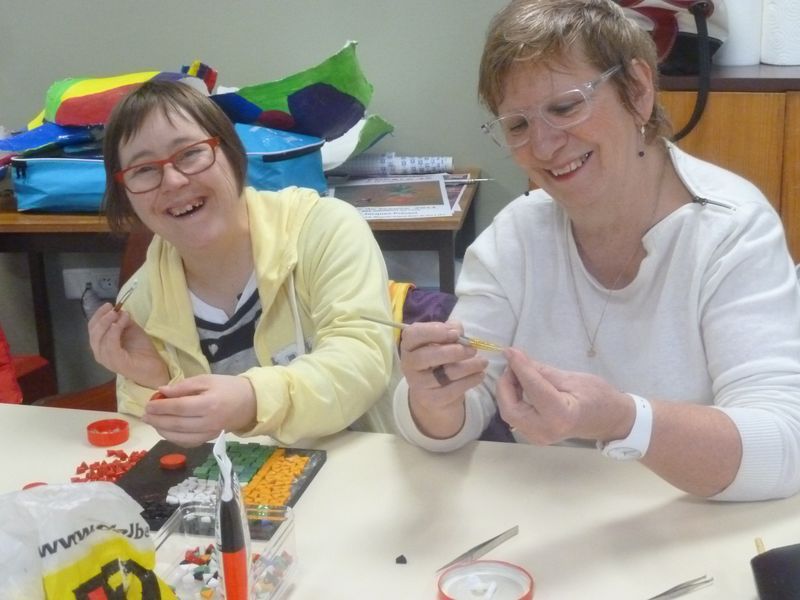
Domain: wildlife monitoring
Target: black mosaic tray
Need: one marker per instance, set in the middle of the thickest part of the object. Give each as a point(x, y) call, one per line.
point(148, 483)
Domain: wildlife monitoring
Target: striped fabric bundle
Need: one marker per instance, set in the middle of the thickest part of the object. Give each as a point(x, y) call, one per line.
point(88, 101)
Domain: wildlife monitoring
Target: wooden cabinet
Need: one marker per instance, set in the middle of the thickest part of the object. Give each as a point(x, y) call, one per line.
point(751, 126)
point(740, 131)
point(790, 186)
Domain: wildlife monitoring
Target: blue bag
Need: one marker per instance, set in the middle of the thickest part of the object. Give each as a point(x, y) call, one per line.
point(277, 159)
point(58, 184)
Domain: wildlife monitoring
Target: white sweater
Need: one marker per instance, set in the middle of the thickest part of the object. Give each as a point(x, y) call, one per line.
point(713, 317)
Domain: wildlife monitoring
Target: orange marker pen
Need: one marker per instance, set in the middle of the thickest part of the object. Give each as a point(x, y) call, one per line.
point(232, 547)
point(232, 537)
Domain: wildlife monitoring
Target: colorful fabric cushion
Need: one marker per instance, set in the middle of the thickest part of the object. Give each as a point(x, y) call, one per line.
point(324, 101)
point(89, 100)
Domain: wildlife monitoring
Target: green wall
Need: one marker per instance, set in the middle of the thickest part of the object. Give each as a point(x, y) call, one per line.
point(421, 56)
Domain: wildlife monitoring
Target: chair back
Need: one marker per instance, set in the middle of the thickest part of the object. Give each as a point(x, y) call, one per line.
point(10, 392)
point(135, 252)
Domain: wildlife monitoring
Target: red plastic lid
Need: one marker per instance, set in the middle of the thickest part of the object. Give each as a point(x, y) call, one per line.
point(108, 432)
point(173, 461)
point(33, 484)
point(485, 578)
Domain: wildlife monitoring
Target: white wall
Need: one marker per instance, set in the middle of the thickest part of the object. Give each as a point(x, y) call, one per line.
point(420, 55)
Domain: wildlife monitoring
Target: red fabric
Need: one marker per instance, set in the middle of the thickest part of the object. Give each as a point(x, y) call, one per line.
point(25, 364)
point(9, 388)
point(93, 109)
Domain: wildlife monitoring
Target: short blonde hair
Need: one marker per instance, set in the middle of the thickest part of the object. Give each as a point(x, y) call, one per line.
point(534, 31)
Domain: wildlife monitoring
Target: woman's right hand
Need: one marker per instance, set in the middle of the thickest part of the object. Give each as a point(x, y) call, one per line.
point(439, 371)
point(121, 346)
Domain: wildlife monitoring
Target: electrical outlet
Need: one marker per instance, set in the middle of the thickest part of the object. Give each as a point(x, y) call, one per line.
point(104, 281)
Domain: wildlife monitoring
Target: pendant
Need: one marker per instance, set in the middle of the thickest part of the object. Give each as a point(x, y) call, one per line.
point(591, 353)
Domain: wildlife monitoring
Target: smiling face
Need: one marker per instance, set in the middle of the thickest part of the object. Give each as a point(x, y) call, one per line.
point(190, 211)
point(590, 161)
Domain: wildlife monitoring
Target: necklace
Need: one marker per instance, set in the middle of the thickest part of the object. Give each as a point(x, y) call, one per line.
point(591, 351)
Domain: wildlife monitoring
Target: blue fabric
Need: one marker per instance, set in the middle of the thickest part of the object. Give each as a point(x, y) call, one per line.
point(277, 159)
point(45, 136)
point(58, 184)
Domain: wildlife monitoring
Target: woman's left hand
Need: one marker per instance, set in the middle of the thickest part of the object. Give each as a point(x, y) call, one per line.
point(195, 410)
point(547, 405)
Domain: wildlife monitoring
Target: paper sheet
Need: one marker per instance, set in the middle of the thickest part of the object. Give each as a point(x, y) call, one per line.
point(406, 197)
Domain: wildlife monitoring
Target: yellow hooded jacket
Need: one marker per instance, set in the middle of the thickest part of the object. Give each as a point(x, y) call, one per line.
point(318, 269)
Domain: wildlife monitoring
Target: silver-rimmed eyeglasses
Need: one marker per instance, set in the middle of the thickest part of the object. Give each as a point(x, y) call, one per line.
point(562, 111)
point(189, 160)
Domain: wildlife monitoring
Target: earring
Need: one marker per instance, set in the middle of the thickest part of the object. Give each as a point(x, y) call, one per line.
point(641, 150)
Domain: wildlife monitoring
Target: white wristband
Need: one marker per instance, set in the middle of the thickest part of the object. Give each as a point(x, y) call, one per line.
point(636, 444)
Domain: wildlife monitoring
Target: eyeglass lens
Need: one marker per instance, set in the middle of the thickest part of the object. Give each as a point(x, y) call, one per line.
point(561, 111)
point(189, 161)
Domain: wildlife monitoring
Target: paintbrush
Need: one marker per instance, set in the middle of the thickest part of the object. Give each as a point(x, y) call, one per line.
point(462, 339)
point(125, 296)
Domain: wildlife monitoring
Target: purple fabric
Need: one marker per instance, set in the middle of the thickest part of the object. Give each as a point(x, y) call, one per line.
point(427, 305)
point(497, 431)
point(321, 110)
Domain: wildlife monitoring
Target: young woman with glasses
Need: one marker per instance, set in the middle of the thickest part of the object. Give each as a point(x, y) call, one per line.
point(647, 299)
point(246, 315)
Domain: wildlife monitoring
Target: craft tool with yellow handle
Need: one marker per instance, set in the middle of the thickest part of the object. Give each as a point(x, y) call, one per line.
point(462, 339)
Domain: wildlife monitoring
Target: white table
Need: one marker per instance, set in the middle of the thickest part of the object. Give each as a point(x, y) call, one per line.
point(590, 528)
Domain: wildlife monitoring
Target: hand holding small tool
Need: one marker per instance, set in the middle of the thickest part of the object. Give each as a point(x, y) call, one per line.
point(122, 346)
point(440, 365)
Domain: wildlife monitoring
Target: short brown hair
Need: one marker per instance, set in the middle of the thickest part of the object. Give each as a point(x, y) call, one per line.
point(127, 119)
point(545, 30)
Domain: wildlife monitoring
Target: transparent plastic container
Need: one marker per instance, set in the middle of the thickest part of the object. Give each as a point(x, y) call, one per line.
point(191, 528)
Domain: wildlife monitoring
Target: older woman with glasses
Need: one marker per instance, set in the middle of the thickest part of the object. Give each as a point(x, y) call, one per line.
point(647, 298)
point(246, 315)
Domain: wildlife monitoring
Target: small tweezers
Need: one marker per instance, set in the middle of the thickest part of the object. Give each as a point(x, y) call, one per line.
point(686, 587)
point(476, 552)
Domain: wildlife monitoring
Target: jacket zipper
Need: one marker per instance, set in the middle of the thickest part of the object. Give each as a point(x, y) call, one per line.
point(704, 201)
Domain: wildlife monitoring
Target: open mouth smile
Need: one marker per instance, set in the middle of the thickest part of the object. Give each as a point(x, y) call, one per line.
point(187, 209)
point(571, 167)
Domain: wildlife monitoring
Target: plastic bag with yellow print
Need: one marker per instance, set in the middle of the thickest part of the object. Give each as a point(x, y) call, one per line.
point(83, 541)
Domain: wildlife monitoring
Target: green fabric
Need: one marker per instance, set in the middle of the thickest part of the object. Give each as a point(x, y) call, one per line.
point(341, 70)
point(374, 129)
point(54, 95)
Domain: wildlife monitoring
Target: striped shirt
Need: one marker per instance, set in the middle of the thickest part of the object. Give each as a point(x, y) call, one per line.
point(227, 342)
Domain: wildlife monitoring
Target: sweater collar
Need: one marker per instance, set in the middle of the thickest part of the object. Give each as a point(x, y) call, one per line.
point(276, 220)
